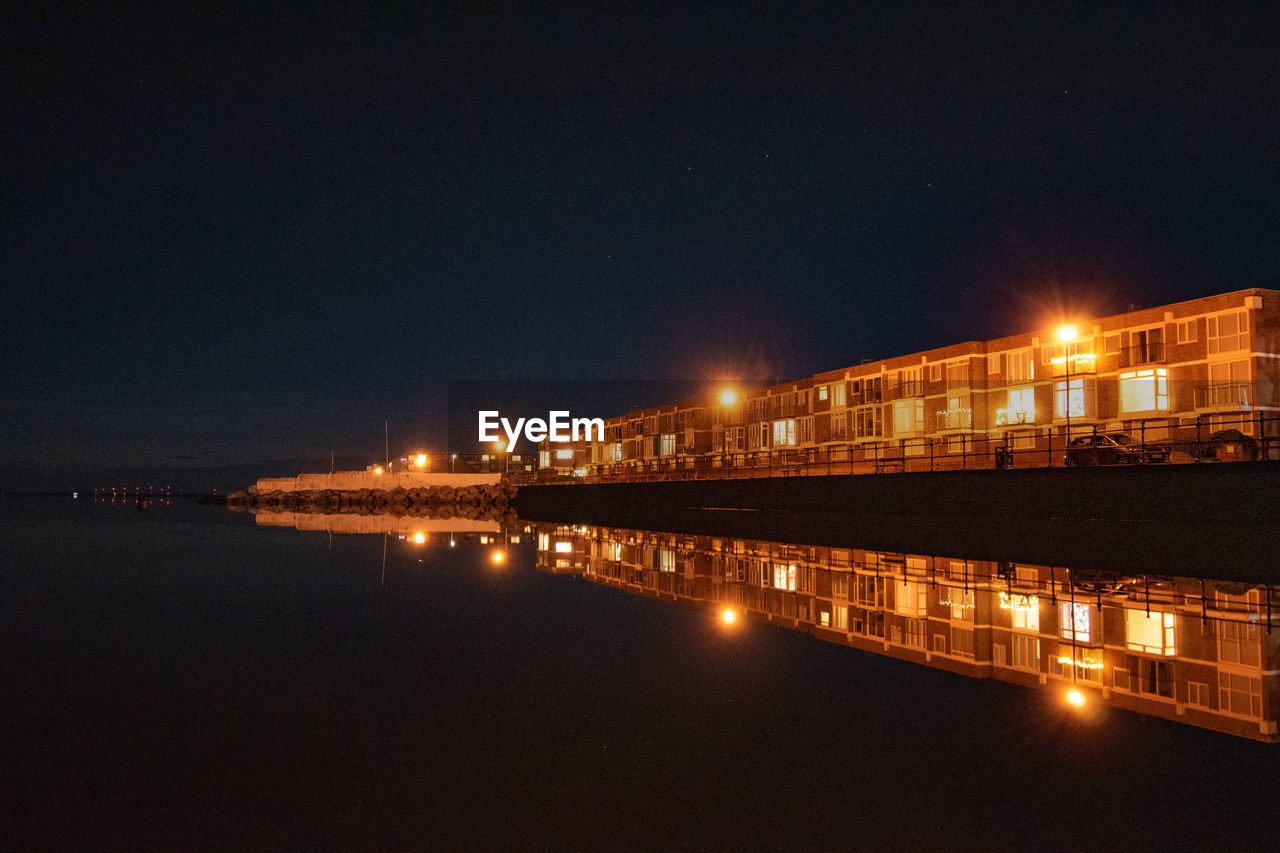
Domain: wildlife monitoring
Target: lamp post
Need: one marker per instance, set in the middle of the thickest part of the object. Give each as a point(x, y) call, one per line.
point(1067, 334)
point(728, 398)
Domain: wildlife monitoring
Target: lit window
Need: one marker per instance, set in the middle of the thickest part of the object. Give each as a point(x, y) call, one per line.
point(908, 416)
point(666, 560)
point(544, 458)
point(564, 547)
point(784, 577)
point(1024, 610)
point(822, 392)
point(668, 444)
point(838, 391)
point(784, 432)
point(564, 454)
point(1020, 409)
point(1076, 397)
point(1153, 633)
point(1075, 621)
point(911, 598)
point(1144, 390)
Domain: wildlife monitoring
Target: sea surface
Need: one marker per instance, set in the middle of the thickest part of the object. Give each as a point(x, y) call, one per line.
point(180, 676)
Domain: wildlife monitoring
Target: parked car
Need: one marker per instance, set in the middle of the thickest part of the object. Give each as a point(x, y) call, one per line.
point(1113, 448)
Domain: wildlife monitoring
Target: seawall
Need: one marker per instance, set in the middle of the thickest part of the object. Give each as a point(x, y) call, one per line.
point(353, 481)
point(1210, 520)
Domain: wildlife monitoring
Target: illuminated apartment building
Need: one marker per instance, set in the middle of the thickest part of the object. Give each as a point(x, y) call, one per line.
point(1192, 651)
point(1177, 372)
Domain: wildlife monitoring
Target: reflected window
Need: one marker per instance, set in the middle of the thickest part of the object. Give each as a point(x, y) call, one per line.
point(1153, 633)
point(1239, 643)
point(1240, 694)
point(1076, 622)
point(910, 598)
point(1024, 610)
point(1025, 652)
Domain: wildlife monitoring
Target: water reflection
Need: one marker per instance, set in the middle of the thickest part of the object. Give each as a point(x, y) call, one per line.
point(1195, 651)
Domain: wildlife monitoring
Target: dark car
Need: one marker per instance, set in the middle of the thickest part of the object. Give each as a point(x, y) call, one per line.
point(1113, 448)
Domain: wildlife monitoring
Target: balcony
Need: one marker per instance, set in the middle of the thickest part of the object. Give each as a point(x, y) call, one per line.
point(1015, 417)
point(911, 388)
point(1151, 353)
point(865, 396)
point(955, 419)
point(1081, 363)
point(1228, 395)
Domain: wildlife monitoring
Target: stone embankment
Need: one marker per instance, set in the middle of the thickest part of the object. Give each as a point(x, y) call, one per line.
point(468, 501)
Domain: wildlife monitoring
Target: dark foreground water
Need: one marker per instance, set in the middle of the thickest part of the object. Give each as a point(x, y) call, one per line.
point(180, 677)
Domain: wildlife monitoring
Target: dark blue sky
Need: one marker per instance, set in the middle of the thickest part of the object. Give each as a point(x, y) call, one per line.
point(229, 234)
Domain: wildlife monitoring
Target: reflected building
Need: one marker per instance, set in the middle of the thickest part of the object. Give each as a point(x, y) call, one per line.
point(1194, 651)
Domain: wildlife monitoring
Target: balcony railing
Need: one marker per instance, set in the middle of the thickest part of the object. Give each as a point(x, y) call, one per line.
point(955, 419)
point(867, 395)
point(1152, 353)
point(911, 388)
point(1226, 395)
point(1082, 362)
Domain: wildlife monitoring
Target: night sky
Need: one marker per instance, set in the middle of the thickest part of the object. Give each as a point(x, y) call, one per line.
point(231, 235)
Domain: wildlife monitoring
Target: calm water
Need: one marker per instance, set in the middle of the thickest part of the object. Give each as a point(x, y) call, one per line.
point(183, 676)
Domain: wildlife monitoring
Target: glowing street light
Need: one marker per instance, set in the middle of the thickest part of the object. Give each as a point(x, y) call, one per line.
point(1075, 698)
point(728, 616)
point(498, 557)
point(728, 397)
point(420, 460)
point(419, 538)
point(1067, 334)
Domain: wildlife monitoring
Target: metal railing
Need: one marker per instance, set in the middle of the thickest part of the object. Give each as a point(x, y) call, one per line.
point(1251, 436)
point(1234, 394)
point(1140, 354)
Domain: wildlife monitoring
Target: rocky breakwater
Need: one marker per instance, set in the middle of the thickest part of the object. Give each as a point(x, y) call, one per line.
point(490, 500)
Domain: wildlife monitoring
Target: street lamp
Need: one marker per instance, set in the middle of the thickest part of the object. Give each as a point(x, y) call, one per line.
point(1067, 334)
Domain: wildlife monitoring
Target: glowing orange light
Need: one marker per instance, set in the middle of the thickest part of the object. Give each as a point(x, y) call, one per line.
point(1075, 698)
point(419, 538)
point(499, 445)
point(377, 469)
point(1066, 333)
point(728, 397)
point(420, 460)
point(498, 557)
point(728, 616)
